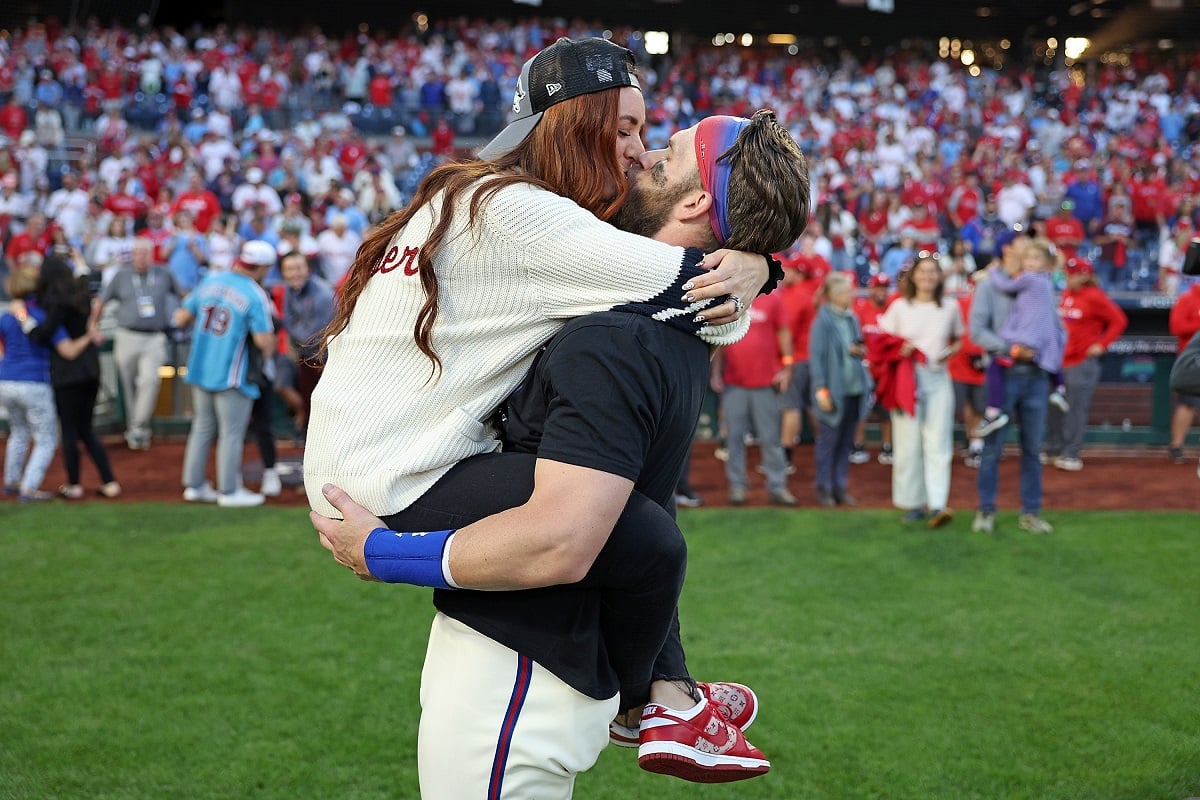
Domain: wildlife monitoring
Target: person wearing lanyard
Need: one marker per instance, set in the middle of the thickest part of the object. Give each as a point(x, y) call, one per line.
point(144, 295)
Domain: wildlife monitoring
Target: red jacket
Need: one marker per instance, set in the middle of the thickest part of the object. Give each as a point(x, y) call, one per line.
point(1089, 317)
point(961, 364)
point(1184, 321)
point(895, 375)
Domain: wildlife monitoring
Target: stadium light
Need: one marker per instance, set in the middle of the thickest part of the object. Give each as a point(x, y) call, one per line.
point(781, 38)
point(658, 42)
point(1075, 46)
point(747, 39)
point(968, 57)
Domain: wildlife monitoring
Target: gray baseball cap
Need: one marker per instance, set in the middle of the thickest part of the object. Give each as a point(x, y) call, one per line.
point(568, 68)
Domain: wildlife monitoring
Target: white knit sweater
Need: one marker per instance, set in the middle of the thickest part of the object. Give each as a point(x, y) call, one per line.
point(385, 431)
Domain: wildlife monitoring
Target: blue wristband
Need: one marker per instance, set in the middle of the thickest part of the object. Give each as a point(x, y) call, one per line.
point(413, 558)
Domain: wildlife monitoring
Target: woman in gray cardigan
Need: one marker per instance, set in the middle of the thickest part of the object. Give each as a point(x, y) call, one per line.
point(839, 385)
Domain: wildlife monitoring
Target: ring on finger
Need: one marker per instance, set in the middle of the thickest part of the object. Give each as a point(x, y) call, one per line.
point(738, 306)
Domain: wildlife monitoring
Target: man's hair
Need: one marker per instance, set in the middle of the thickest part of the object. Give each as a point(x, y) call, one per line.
point(768, 194)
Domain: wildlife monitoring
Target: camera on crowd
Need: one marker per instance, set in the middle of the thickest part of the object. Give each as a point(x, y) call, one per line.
point(1191, 262)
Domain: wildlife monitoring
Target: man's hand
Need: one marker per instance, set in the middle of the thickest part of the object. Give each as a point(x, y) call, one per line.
point(346, 537)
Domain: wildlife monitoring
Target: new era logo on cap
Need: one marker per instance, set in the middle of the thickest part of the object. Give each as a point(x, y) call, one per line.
point(566, 69)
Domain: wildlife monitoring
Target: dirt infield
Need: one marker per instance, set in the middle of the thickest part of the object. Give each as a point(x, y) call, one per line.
point(1112, 478)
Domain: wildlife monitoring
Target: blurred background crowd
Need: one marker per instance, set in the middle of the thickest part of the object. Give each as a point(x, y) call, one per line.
point(203, 139)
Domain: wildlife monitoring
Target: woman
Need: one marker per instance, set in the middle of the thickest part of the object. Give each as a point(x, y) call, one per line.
point(114, 250)
point(67, 301)
point(923, 442)
point(25, 388)
point(839, 384)
point(1093, 322)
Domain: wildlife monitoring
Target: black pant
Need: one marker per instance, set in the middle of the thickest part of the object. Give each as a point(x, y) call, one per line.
point(76, 406)
point(629, 594)
point(260, 425)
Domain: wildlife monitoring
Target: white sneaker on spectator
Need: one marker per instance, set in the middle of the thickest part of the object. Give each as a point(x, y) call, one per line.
point(1068, 464)
point(271, 485)
point(200, 494)
point(242, 498)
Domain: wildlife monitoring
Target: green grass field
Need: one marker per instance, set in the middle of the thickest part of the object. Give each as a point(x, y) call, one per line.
point(164, 651)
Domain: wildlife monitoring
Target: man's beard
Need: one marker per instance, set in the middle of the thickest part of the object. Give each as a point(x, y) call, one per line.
point(647, 208)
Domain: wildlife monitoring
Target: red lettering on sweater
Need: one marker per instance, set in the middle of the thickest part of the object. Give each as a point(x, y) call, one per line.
point(394, 258)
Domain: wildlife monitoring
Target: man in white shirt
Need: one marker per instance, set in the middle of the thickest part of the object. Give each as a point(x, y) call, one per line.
point(68, 207)
point(337, 245)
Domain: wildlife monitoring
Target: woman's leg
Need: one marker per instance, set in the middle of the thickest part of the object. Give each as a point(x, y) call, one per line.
point(908, 490)
point(17, 446)
point(87, 392)
point(67, 404)
point(639, 574)
point(846, 429)
point(43, 426)
point(937, 436)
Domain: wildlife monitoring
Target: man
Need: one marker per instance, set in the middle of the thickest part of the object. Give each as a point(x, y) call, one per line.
point(337, 245)
point(868, 310)
point(1065, 230)
point(143, 293)
point(602, 375)
point(749, 377)
point(308, 306)
point(68, 207)
point(197, 200)
point(1184, 324)
point(231, 314)
point(1025, 398)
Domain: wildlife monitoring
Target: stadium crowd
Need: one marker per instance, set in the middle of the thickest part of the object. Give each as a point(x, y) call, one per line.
point(203, 140)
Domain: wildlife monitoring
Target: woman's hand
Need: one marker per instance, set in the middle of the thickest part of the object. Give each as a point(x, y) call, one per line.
point(907, 349)
point(730, 272)
point(824, 400)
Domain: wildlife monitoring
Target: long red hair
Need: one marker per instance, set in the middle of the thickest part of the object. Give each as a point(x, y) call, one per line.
point(571, 152)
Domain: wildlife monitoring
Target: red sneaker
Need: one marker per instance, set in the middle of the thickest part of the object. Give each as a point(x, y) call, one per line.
point(736, 702)
point(622, 735)
point(702, 748)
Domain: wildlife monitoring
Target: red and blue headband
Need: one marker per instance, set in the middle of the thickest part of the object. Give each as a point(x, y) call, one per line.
point(714, 136)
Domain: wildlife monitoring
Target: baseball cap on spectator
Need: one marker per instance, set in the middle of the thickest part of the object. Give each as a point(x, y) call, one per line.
point(257, 253)
point(254, 175)
point(1005, 237)
point(27, 138)
point(880, 279)
point(1067, 205)
point(566, 69)
point(1077, 265)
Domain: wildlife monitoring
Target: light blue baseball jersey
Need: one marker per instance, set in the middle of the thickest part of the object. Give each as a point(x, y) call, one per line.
point(228, 306)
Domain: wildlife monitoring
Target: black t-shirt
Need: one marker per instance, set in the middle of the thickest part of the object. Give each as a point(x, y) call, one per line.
point(616, 392)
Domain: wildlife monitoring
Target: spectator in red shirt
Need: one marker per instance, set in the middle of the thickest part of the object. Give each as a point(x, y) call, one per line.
point(1184, 323)
point(966, 198)
point(868, 308)
point(35, 237)
point(443, 139)
point(797, 294)
point(13, 118)
point(1093, 323)
point(197, 200)
point(1065, 230)
point(967, 374)
point(749, 376)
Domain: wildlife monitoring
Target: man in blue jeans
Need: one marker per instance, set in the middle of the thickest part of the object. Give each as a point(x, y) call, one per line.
point(1026, 398)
